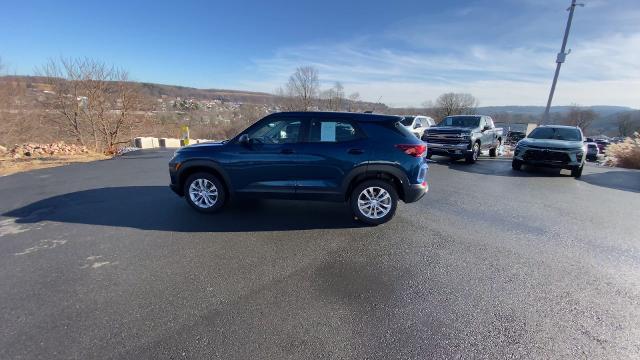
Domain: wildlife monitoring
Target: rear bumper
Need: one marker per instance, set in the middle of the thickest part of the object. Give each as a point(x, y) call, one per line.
point(415, 192)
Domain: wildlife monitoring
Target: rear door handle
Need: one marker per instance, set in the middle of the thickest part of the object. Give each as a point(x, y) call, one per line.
point(355, 151)
point(287, 151)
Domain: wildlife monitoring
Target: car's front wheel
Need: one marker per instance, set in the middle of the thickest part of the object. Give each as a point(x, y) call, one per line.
point(472, 157)
point(204, 192)
point(577, 172)
point(374, 202)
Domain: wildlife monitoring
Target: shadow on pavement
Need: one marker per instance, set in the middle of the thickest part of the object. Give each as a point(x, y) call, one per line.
point(157, 208)
point(626, 180)
point(619, 180)
point(498, 167)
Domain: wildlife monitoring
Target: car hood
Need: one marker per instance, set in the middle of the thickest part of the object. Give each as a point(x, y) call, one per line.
point(449, 129)
point(206, 144)
point(550, 143)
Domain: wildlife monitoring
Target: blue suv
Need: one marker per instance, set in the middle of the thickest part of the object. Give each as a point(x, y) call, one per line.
point(368, 160)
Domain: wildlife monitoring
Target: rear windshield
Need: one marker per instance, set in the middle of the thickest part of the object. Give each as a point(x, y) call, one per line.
point(551, 133)
point(461, 121)
point(407, 121)
point(403, 130)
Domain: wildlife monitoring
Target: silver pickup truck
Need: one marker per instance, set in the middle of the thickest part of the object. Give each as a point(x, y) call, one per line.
point(463, 136)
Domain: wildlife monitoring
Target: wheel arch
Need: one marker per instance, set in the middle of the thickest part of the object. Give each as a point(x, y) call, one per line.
point(377, 172)
point(191, 167)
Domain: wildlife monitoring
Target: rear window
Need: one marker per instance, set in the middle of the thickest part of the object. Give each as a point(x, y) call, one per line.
point(403, 130)
point(407, 121)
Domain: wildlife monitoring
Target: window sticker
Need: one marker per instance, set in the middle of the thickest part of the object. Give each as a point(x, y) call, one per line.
point(328, 131)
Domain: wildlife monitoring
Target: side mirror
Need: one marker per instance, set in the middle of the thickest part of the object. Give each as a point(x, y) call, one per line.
point(244, 139)
point(486, 127)
point(415, 126)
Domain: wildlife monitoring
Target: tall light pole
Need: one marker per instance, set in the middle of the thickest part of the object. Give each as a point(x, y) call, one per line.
point(560, 59)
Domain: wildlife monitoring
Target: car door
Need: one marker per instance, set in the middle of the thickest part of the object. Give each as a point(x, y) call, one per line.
point(269, 163)
point(486, 137)
point(334, 147)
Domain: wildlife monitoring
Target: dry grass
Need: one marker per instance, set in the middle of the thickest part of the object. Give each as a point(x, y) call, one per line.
point(625, 154)
point(9, 165)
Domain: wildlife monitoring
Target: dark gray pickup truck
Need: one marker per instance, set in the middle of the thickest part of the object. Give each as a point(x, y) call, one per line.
point(463, 136)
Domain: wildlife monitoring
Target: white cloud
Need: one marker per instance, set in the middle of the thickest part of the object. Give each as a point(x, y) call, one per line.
point(599, 71)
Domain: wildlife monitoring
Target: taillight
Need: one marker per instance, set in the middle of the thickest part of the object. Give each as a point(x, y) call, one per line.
point(412, 149)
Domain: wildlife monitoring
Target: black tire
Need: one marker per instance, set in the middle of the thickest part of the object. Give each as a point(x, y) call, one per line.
point(429, 155)
point(577, 172)
point(204, 177)
point(516, 164)
point(494, 151)
point(358, 193)
point(472, 157)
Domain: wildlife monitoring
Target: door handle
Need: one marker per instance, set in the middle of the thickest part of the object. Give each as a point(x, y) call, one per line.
point(355, 151)
point(287, 151)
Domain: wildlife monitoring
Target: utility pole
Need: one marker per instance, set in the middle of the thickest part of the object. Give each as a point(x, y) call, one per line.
point(560, 59)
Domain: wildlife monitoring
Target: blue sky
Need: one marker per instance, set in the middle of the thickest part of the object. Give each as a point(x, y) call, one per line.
point(406, 52)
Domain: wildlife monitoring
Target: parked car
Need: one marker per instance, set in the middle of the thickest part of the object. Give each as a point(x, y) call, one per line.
point(463, 136)
point(602, 144)
point(514, 136)
point(417, 124)
point(555, 146)
point(370, 161)
point(592, 151)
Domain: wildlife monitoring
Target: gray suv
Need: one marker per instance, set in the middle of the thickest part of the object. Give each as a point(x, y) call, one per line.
point(555, 146)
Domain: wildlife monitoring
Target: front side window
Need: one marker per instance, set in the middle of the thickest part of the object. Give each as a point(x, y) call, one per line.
point(332, 131)
point(281, 131)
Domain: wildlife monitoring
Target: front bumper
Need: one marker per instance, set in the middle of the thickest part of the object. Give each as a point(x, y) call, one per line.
point(560, 159)
point(453, 149)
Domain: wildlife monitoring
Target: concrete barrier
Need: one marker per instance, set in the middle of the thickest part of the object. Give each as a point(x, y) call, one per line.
point(146, 142)
point(169, 143)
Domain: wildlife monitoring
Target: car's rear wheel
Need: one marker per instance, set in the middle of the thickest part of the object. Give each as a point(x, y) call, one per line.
point(204, 192)
point(516, 164)
point(577, 172)
point(473, 156)
point(374, 202)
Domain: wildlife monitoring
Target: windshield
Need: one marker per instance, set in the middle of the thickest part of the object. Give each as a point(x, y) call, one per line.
point(407, 121)
point(551, 133)
point(461, 121)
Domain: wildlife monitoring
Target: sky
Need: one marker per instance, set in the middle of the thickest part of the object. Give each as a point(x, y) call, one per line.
point(401, 52)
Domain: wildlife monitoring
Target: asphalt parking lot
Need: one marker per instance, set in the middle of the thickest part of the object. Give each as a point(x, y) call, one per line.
point(102, 260)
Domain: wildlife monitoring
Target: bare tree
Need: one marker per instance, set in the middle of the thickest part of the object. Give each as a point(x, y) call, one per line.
point(627, 125)
point(92, 99)
point(303, 87)
point(338, 99)
point(580, 117)
point(455, 104)
point(64, 81)
point(353, 99)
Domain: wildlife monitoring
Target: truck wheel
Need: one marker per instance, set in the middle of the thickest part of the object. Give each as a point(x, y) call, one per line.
point(577, 172)
point(494, 151)
point(429, 155)
point(374, 202)
point(204, 192)
point(516, 164)
point(473, 156)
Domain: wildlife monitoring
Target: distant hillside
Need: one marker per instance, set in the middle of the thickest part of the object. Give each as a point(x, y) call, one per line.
point(601, 110)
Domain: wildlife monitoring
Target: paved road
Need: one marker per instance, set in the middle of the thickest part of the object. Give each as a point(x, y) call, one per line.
point(101, 260)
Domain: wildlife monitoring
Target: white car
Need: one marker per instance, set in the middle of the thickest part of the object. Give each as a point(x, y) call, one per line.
point(417, 124)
